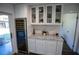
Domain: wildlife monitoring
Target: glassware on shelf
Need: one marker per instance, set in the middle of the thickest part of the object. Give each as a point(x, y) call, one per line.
point(41, 15)
point(58, 14)
point(33, 15)
point(49, 14)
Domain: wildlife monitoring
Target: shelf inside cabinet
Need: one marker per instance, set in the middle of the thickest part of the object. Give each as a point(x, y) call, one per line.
point(45, 24)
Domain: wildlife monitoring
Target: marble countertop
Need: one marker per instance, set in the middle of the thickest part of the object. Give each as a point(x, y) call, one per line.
point(47, 37)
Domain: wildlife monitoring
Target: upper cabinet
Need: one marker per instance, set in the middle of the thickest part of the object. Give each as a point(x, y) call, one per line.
point(46, 15)
point(58, 14)
point(41, 14)
point(33, 15)
point(49, 14)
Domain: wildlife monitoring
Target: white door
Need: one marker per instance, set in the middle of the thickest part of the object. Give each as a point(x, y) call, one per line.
point(40, 46)
point(50, 47)
point(69, 24)
point(31, 45)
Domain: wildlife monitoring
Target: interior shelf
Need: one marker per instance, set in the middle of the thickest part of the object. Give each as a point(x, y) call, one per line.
point(45, 24)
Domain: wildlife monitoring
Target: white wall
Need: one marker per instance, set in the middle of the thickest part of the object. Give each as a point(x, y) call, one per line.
point(69, 8)
point(9, 10)
point(29, 26)
point(23, 11)
point(20, 10)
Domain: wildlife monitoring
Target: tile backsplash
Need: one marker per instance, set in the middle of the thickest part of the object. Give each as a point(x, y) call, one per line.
point(50, 29)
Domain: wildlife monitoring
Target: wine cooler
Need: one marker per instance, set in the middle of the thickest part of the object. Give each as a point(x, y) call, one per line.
point(21, 34)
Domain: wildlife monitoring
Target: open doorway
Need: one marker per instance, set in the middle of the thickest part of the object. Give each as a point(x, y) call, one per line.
point(5, 38)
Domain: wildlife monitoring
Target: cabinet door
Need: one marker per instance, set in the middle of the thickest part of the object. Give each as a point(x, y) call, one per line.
point(40, 46)
point(31, 45)
point(58, 14)
point(33, 15)
point(41, 14)
point(50, 47)
point(59, 47)
point(49, 14)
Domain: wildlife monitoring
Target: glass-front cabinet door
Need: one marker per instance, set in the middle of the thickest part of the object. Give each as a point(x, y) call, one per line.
point(58, 14)
point(41, 14)
point(46, 14)
point(33, 15)
point(49, 14)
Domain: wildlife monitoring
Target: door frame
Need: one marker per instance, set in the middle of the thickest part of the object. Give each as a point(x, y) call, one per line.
point(6, 13)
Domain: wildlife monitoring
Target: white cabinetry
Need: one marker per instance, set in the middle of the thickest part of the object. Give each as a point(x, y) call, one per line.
point(50, 47)
point(59, 48)
point(43, 46)
point(40, 46)
point(32, 45)
point(46, 14)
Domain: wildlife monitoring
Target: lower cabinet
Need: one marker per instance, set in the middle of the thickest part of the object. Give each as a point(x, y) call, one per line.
point(47, 47)
point(40, 46)
point(50, 47)
point(59, 47)
point(32, 45)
